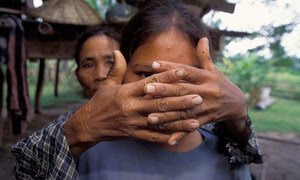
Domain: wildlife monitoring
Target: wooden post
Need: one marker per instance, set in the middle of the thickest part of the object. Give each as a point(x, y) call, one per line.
point(1, 104)
point(1, 90)
point(39, 87)
point(56, 78)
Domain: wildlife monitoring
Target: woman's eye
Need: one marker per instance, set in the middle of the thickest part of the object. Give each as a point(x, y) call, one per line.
point(145, 74)
point(87, 65)
point(110, 63)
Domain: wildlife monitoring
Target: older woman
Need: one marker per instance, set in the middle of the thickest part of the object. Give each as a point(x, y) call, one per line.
point(148, 127)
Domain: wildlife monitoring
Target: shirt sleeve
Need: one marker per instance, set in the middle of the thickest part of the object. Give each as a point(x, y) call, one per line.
point(45, 154)
point(238, 154)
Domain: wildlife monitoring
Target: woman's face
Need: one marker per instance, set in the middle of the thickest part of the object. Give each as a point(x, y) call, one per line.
point(172, 46)
point(95, 61)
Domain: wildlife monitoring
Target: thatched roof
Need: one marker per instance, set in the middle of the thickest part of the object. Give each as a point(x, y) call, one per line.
point(202, 6)
point(76, 12)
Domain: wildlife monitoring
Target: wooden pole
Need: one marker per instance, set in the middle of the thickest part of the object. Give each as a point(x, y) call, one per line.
point(39, 87)
point(56, 78)
point(1, 89)
point(1, 104)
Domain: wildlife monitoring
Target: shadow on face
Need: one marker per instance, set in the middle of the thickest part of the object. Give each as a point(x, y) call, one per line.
point(172, 46)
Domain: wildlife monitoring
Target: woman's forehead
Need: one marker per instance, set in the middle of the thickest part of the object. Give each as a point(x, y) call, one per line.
point(172, 46)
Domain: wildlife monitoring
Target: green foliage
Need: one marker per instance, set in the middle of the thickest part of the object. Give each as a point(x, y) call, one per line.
point(247, 72)
point(69, 89)
point(93, 4)
point(283, 116)
point(274, 34)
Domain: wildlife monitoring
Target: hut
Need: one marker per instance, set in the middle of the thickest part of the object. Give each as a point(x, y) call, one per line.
point(49, 31)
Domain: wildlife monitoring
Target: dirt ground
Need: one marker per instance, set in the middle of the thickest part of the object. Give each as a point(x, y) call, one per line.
point(281, 159)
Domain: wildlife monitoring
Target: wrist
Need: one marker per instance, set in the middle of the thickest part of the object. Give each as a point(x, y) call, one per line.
point(239, 129)
point(78, 138)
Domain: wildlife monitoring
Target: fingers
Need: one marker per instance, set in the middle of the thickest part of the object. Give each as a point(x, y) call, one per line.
point(165, 90)
point(168, 104)
point(187, 125)
point(176, 137)
point(159, 118)
point(117, 72)
point(203, 55)
point(151, 136)
point(192, 74)
point(171, 76)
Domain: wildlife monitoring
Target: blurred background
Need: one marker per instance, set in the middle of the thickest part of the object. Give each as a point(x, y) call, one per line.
point(257, 46)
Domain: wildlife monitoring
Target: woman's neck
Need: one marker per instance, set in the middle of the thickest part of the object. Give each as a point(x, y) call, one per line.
point(190, 142)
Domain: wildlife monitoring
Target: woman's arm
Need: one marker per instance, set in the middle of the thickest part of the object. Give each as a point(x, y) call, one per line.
point(114, 112)
point(45, 154)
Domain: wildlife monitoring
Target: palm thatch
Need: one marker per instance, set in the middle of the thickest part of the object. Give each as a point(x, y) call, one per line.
point(200, 5)
point(76, 12)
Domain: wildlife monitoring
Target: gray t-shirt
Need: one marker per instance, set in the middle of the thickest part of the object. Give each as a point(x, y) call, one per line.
point(139, 160)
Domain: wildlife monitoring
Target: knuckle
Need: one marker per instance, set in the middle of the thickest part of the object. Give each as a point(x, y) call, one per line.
point(169, 76)
point(167, 116)
point(217, 91)
point(154, 138)
point(170, 126)
point(126, 108)
point(187, 113)
point(162, 89)
point(185, 124)
point(154, 79)
point(214, 76)
point(180, 136)
point(162, 105)
point(183, 89)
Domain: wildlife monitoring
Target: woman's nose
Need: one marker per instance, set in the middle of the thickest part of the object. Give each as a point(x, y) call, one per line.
point(101, 73)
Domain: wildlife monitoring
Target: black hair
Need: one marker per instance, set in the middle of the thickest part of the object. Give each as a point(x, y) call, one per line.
point(158, 17)
point(95, 31)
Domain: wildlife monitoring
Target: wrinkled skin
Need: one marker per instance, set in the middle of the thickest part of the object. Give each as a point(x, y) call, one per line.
point(120, 111)
point(222, 100)
point(95, 61)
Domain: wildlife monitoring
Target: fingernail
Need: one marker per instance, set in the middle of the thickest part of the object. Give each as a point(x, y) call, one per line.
point(153, 119)
point(156, 65)
point(180, 73)
point(172, 143)
point(150, 88)
point(194, 125)
point(197, 100)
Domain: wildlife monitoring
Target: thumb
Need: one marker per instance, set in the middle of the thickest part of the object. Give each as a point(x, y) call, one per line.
point(116, 73)
point(203, 55)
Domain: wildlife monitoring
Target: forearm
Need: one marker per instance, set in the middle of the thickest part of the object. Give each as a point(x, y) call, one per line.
point(78, 141)
point(79, 129)
point(239, 130)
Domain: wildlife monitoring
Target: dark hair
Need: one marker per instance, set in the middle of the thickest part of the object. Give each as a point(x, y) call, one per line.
point(158, 17)
point(95, 31)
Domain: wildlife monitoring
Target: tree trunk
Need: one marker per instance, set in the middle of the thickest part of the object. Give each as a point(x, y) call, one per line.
point(39, 87)
point(56, 78)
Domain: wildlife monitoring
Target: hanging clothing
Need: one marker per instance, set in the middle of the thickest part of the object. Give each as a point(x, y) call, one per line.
point(18, 102)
